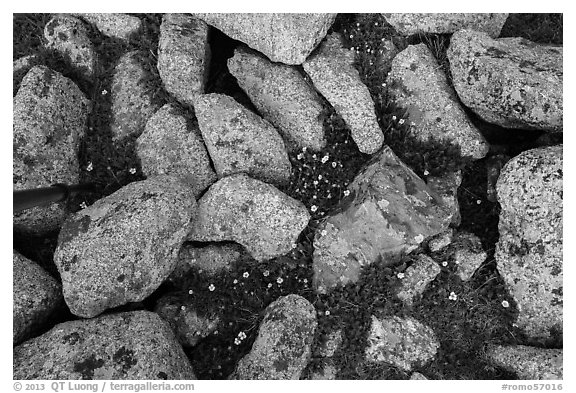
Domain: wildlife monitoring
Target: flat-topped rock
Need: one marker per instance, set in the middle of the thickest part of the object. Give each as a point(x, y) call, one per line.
point(416, 278)
point(528, 362)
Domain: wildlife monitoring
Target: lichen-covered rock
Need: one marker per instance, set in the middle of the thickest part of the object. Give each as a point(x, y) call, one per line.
point(417, 277)
point(284, 38)
point(282, 96)
point(390, 210)
point(403, 342)
point(442, 23)
point(188, 325)
point(183, 56)
point(129, 345)
point(528, 362)
point(417, 376)
point(330, 345)
point(240, 141)
point(334, 75)
point(417, 84)
point(252, 213)
point(69, 37)
point(209, 260)
point(132, 96)
point(121, 248)
point(121, 26)
point(172, 144)
point(284, 343)
point(467, 254)
point(36, 295)
point(20, 68)
point(530, 247)
point(446, 186)
point(327, 371)
point(511, 82)
point(50, 116)
point(441, 241)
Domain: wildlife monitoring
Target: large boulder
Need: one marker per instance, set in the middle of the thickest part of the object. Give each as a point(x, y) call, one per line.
point(446, 23)
point(20, 68)
point(50, 117)
point(119, 26)
point(390, 210)
point(511, 82)
point(332, 71)
point(530, 246)
point(528, 362)
point(172, 144)
point(132, 96)
point(129, 346)
point(417, 84)
point(183, 56)
point(284, 343)
point(252, 213)
point(240, 141)
point(282, 96)
point(36, 295)
point(284, 38)
point(121, 248)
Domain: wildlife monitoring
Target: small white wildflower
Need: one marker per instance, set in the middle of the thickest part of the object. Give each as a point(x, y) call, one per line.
point(426, 173)
point(241, 335)
point(305, 281)
point(400, 275)
point(325, 158)
point(393, 117)
point(401, 121)
point(265, 273)
point(323, 232)
point(104, 92)
point(444, 263)
point(327, 312)
point(383, 84)
point(313, 196)
point(505, 304)
point(83, 205)
point(452, 296)
point(352, 36)
point(478, 202)
point(190, 292)
point(334, 165)
point(246, 274)
point(299, 156)
point(319, 177)
point(270, 285)
point(376, 24)
point(132, 170)
point(279, 280)
point(315, 182)
point(357, 24)
point(211, 287)
point(183, 308)
point(294, 245)
point(314, 156)
point(304, 149)
point(89, 167)
point(313, 208)
point(347, 192)
point(237, 341)
point(412, 123)
point(235, 281)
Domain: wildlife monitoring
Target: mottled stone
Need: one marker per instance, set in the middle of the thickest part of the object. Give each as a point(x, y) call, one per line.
point(416, 278)
point(417, 84)
point(121, 248)
point(20, 68)
point(36, 295)
point(172, 144)
point(50, 116)
point(511, 82)
point(285, 38)
point(252, 213)
point(282, 96)
point(446, 186)
point(417, 376)
point(134, 345)
point(284, 343)
point(330, 345)
point(390, 210)
point(468, 254)
point(334, 75)
point(328, 371)
point(402, 342)
point(446, 23)
point(528, 362)
point(183, 56)
point(240, 141)
point(529, 252)
point(121, 26)
point(441, 241)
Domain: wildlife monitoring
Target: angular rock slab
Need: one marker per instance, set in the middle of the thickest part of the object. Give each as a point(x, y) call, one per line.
point(511, 82)
point(20, 68)
point(468, 254)
point(132, 96)
point(446, 23)
point(403, 342)
point(183, 56)
point(252, 213)
point(284, 38)
point(332, 71)
point(282, 96)
point(417, 84)
point(120, 26)
point(416, 278)
point(284, 343)
point(69, 37)
point(240, 141)
point(172, 144)
point(390, 210)
point(121, 248)
point(50, 116)
point(36, 296)
point(129, 345)
point(446, 186)
point(529, 249)
point(528, 362)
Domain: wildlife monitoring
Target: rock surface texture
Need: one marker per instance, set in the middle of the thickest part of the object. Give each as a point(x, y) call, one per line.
point(120, 26)
point(511, 82)
point(529, 250)
point(283, 38)
point(528, 362)
point(252, 213)
point(390, 210)
point(36, 296)
point(418, 85)
point(50, 116)
point(417, 277)
point(284, 343)
point(446, 23)
point(183, 56)
point(332, 70)
point(282, 96)
point(121, 248)
point(129, 345)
